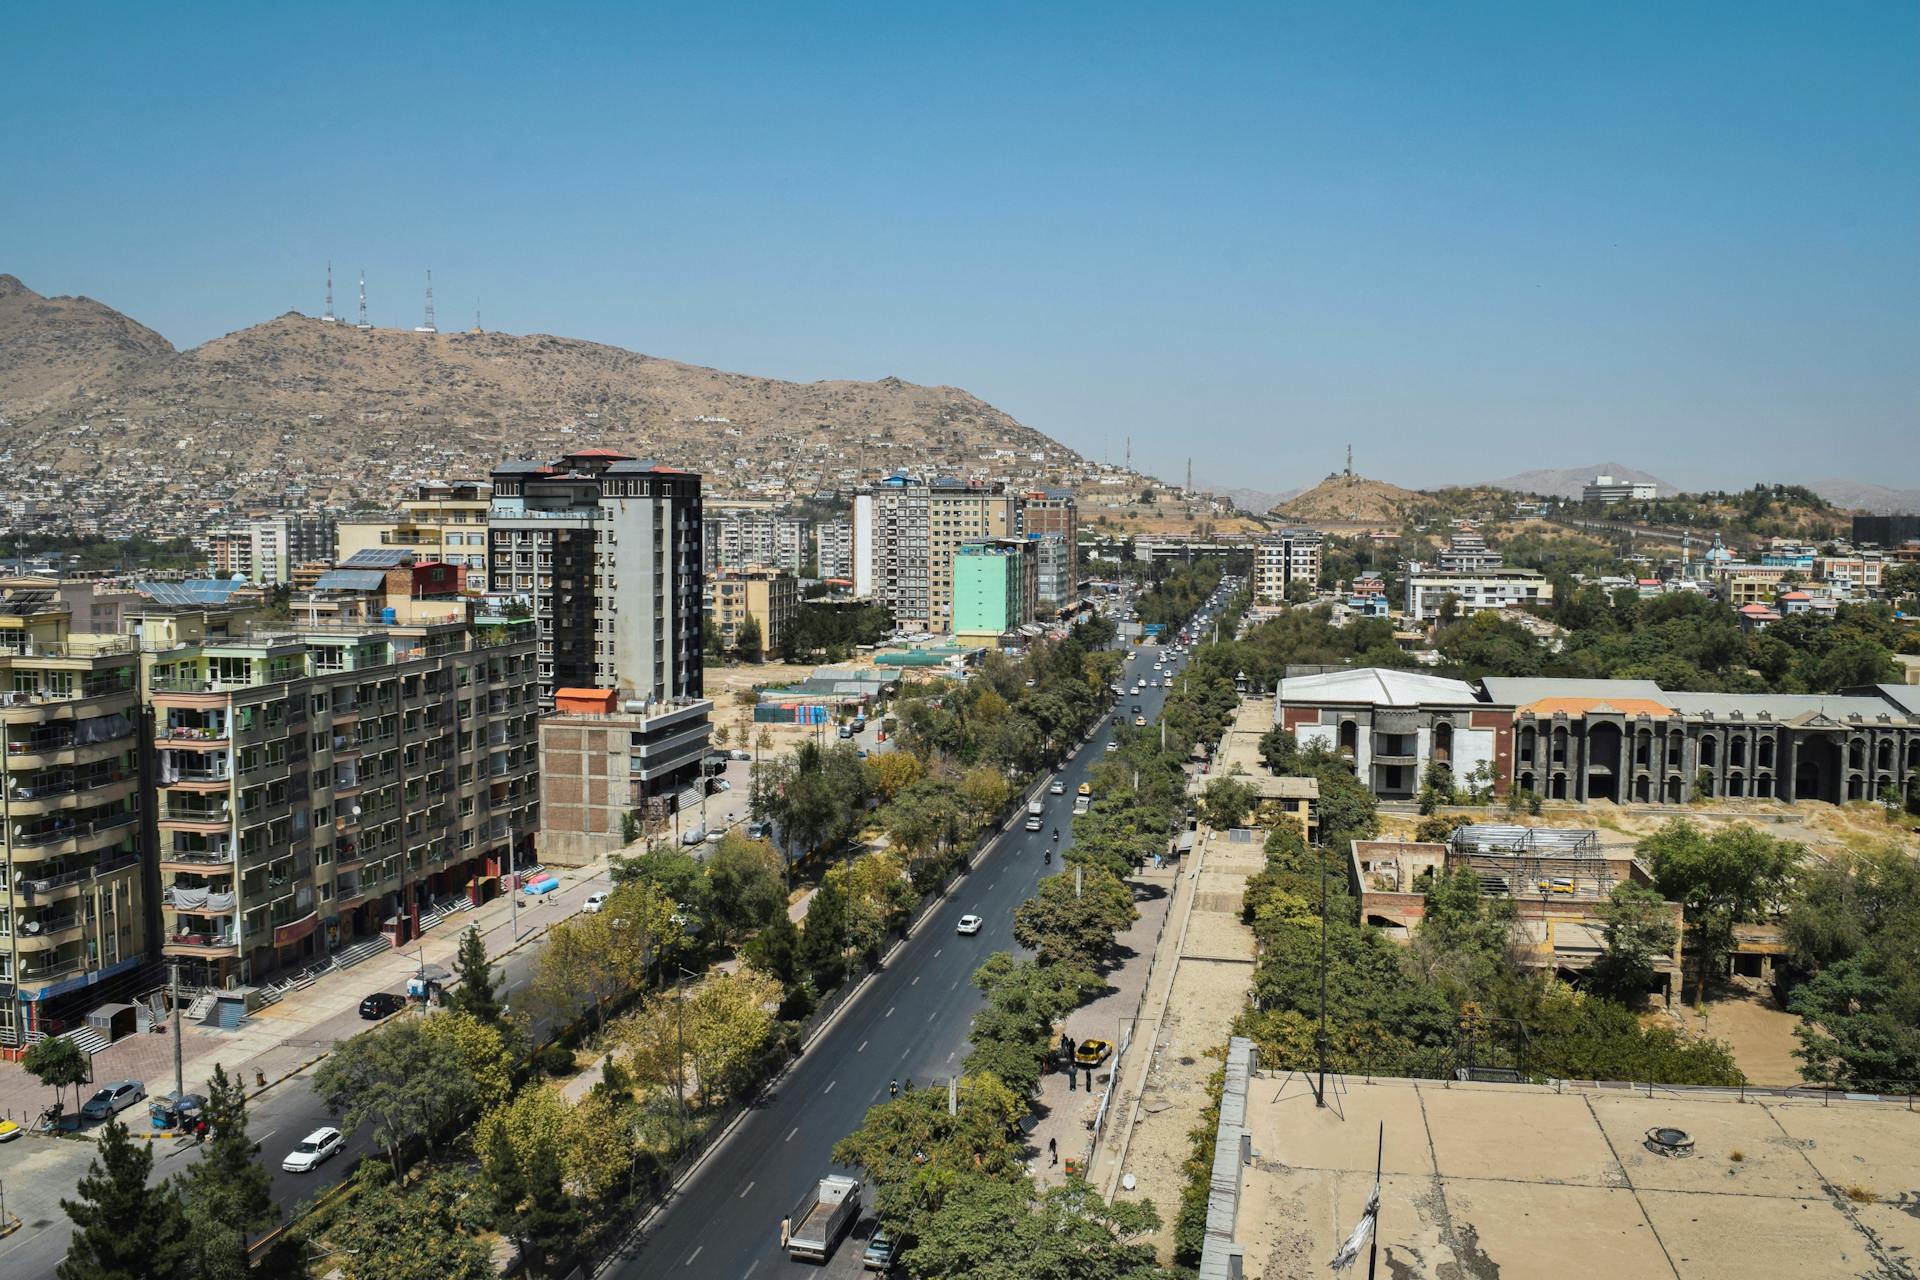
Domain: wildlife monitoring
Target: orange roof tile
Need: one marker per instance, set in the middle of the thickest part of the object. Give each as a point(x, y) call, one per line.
point(1582, 706)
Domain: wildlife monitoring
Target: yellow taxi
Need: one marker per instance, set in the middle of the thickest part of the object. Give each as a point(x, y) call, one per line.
point(1086, 788)
point(1092, 1053)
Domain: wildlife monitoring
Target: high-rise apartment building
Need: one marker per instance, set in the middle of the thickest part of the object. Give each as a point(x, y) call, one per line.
point(995, 585)
point(315, 785)
point(73, 907)
point(1045, 511)
point(906, 533)
point(1281, 560)
point(444, 522)
point(833, 548)
point(265, 549)
point(1054, 583)
point(737, 537)
point(606, 551)
point(957, 513)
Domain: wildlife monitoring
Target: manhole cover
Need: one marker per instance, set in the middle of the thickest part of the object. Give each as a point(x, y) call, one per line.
point(1665, 1141)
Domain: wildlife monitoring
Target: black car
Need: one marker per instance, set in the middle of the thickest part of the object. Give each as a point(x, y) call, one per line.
point(381, 1004)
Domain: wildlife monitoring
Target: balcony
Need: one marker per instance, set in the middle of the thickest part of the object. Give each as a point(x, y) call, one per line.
point(212, 943)
point(66, 831)
point(55, 968)
point(46, 931)
point(197, 901)
point(210, 818)
point(29, 887)
point(211, 735)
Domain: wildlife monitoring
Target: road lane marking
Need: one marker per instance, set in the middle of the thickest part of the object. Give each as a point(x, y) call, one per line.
point(745, 1189)
point(953, 984)
point(749, 1270)
point(862, 1048)
point(937, 951)
point(829, 1089)
point(268, 1134)
point(694, 1254)
point(915, 982)
point(949, 1057)
point(789, 1137)
point(888, 1013)
point(930, 1017)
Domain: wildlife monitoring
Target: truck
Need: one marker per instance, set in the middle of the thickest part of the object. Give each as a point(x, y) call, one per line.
point(823, 1216)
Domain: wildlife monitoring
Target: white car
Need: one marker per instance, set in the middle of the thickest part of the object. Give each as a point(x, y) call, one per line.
point(739, 754)
point(316, 1147)
point(1058, 788)
point(1113, 746)
point(970, 925)
point(594, 902)
point(1033, 824)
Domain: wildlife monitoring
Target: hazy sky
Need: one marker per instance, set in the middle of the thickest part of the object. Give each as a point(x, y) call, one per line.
point(1469, 238)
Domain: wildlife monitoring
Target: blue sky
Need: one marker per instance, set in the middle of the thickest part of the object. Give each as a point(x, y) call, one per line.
point(1470, 238)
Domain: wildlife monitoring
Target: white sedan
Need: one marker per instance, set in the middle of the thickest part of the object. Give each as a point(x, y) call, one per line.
point(594, 902)
point(1058, 788)
point(313, 1149)
point(970, 925)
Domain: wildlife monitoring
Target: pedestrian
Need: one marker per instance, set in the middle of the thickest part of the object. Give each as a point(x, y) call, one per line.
point(1073, 1080)
point(1053, 1151)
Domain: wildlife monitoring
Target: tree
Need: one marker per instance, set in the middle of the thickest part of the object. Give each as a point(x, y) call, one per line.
point(1854, 923)
point(591, 960)
point(1436, 787)
point(589, 1138)
point(995, 1229)
point(476, 993)
point(984, 791)
point(483, 1051)
point(528, 1201)
point(748, 643)
point(1226, 803)
point(892, 772)
point(748, 884)
point(1735, 876)
point(403, 1079)
point(1638, 929)
point(708, 1040)
point(58, 1063)
point(389, 1233)
point(1013, 1033)
point(913, 1151)
point(123, 1229)
point(227, 1195)
point(1074, 928)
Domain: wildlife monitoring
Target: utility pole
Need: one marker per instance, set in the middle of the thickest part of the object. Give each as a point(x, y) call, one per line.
point(173, 996)
point(513, 889)
point(1076, 880)
point(953, 1095)
point(680, 1048)
point(1320, 1040)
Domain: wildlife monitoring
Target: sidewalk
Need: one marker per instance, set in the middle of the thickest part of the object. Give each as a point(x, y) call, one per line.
point(302, 1028)
point(1066, 1115)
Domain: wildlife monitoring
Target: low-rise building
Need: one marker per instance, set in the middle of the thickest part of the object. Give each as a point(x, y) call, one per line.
point(1429, 589)
point(441, 522)
point(1608, 491)
point(1393, 724)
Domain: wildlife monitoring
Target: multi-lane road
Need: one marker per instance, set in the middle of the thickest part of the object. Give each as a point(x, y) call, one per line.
point(910, 1022)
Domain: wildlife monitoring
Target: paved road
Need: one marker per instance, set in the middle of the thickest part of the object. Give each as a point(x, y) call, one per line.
point(911, 1022)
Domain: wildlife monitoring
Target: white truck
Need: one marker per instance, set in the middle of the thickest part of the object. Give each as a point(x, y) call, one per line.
point(823, 1215)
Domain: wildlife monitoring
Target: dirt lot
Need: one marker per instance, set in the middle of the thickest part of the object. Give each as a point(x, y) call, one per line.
point(1760, 1031)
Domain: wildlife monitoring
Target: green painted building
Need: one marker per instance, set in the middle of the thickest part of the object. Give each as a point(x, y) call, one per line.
point(995, 589)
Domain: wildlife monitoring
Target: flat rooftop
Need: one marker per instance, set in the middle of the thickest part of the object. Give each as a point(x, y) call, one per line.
point(1486, 1180)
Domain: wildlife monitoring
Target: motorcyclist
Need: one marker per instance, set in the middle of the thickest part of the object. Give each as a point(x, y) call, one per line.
point(893, 1088)
point(1049, 858)
point(1056, 833)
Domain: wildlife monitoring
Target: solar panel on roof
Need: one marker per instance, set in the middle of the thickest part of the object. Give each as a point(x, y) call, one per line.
point(376, 558)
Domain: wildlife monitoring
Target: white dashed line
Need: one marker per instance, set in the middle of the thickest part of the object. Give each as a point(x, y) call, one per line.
point(745, 1189)
point(915, 982)
point(789, 1137)
point(829, 1089)
point(889, 1012)
point(862, 1048)
point(694, 1254)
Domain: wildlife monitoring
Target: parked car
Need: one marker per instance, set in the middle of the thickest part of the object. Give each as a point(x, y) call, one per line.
point(1092, 1053)
point(693, 837)
point(9, 1130)
point(880, 1250)
point(381, 1004)
point(970, 924)
point(716, 837)
point(739, 754)
point(759, 830)
point(1113, 746)
point(113, 1099)
point(718, 784)
point(595, 901)
point(313, 1150)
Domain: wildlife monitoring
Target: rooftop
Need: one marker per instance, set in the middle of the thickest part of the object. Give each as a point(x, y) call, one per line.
point(1380, 686)
point(1486, 1180)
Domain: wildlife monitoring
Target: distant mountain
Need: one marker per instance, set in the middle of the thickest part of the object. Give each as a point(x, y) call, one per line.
point(1351, 499)
point(1247, 499)
point(52, 349)
point(1566, 482)
point(1876, 499)
point(298, 398)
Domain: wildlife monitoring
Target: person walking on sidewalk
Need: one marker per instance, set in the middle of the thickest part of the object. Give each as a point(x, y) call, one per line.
point(1053, 1152)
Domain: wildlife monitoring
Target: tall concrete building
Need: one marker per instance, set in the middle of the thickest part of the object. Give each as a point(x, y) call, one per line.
point(74, 911)
point(1044, 511)
point(318, 786)
point(771, 597)
point(736, 537)
point(443, 522)
point(906, 533)
point(606, 551)
point(1053, 560)
point(995, 586)
point(265, 549)
point(1284, 559)
point(833, 548)
point(959, 512)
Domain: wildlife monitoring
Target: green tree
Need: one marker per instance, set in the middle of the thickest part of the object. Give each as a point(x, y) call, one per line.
point(748, 643)
point(1436, 787)
point(476, 992)
point(747, 886)
point(913, 1151)
point(1639, 929)
point(1226, 803)
point(527, 1200)
point(994, 1229)
point(1012, 1033)
point(227, 1195)
point(1074, 927)
point(1735, 876)
point(423, 1233)
point(402, 1079)
point(124, 1229)
point(58, 1063)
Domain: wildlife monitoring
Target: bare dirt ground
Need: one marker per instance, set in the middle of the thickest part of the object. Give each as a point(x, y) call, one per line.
point(1758, 1029)
point(1824, 829)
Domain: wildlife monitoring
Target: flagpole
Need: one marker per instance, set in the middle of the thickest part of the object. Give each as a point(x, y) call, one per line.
point(1379, 1158)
